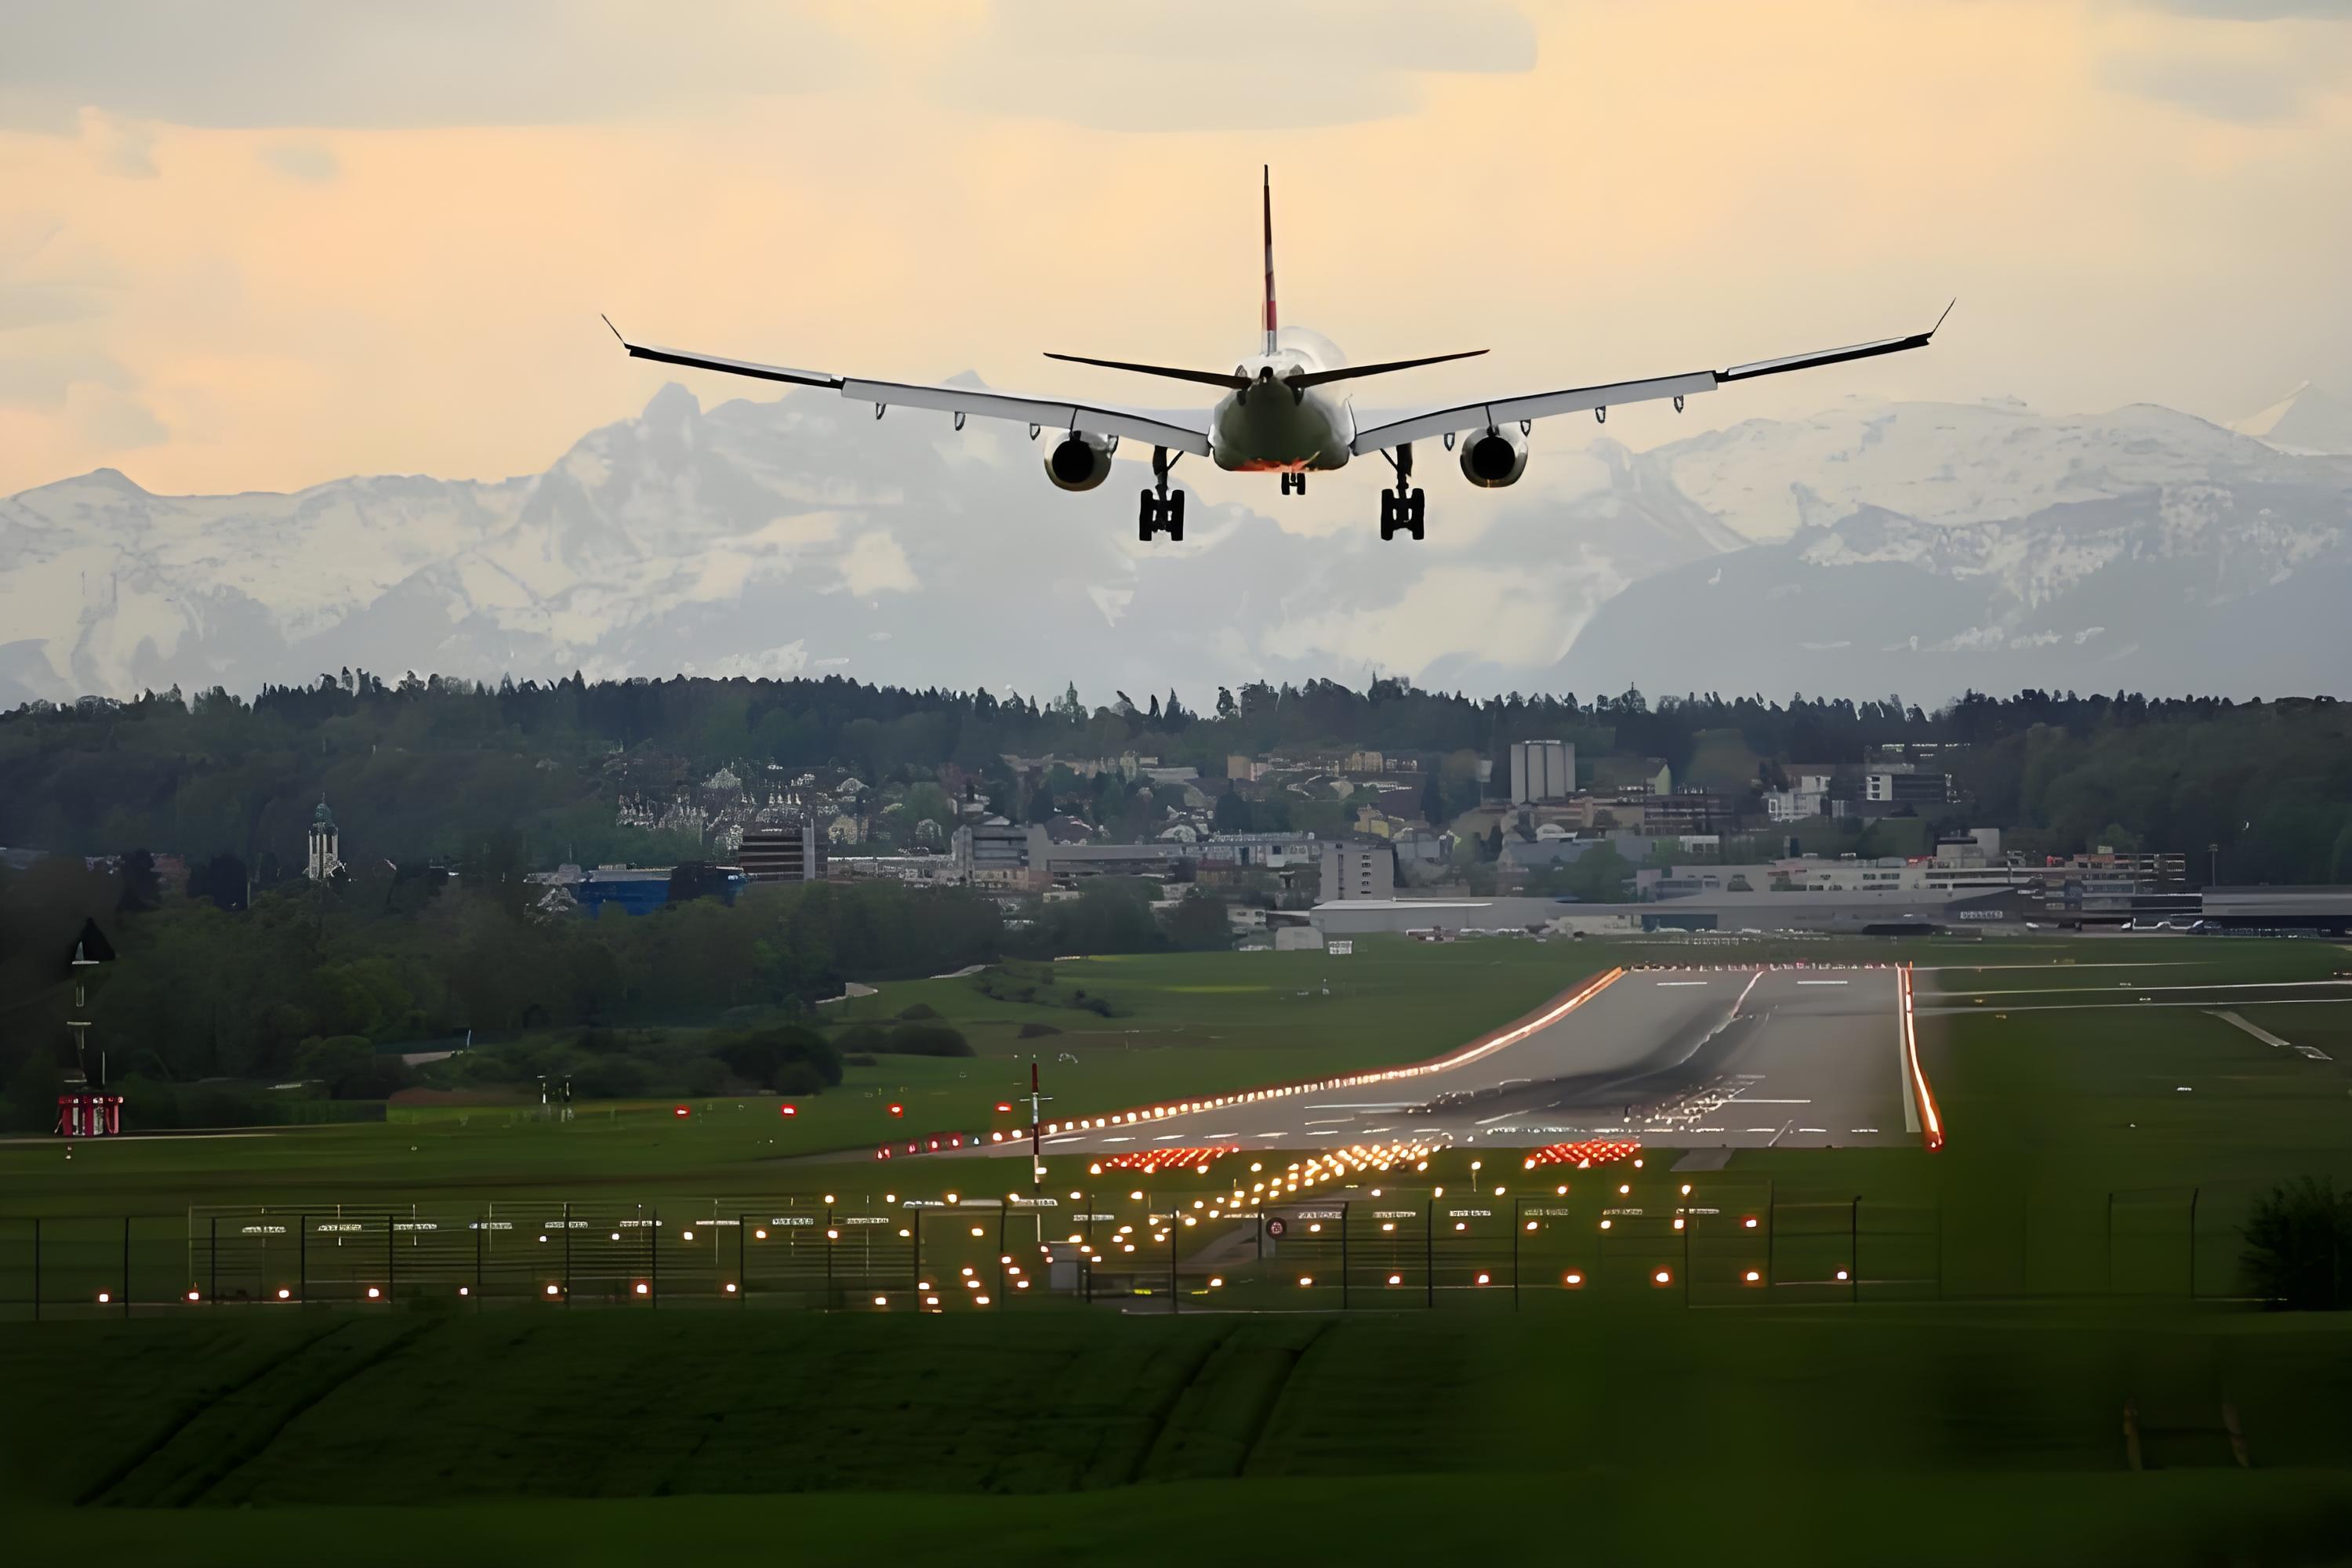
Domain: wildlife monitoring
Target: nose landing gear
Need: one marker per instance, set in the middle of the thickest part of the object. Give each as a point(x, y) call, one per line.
point(1402, 509)
point(1161, 509)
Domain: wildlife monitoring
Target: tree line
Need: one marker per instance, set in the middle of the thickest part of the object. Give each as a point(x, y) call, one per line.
point(315, 983)
point(452, 770)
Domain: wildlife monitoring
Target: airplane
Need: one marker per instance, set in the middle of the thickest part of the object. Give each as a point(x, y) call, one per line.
point(1275, 414)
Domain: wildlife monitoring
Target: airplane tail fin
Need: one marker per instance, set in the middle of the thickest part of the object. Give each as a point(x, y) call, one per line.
point(1269, 258)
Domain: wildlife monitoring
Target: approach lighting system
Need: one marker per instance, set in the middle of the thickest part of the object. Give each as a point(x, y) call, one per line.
point(1585, 1153)
point(788, 1109)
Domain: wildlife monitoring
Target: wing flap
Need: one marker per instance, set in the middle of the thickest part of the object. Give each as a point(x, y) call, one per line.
point(1540, 405)
point(1060, 414)
point(1543, 404)
point(1092, 417)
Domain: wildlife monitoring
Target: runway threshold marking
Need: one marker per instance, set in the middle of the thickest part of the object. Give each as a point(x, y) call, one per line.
point(2250, 1026)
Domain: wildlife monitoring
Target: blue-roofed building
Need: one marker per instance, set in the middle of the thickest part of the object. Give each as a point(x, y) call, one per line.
point(638, 890)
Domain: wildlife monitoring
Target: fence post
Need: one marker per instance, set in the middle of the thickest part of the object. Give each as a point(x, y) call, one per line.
point(126, 1266)
point(828, 1259)
point(567, 1257)
point(391, 1258)
point(213, 1264)
point(1853, 1251)
point(1175, 1229)
point(915, 1225)
point(1343, 1257)
point(652, 1279)
point(36, 1268)
point(303, 1258)
point(481, 1224)
point(742, 1271)
point(1515, 1255)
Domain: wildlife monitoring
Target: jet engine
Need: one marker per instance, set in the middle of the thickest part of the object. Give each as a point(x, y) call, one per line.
point(1494, 458)
point(1079, 461)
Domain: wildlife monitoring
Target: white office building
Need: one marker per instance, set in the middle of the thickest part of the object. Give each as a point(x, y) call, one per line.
point(1542, 769)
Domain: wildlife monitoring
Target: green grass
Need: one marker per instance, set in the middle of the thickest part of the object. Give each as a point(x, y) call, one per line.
point(2048, 1112)
point(1191, 1023)
point(1811, 1435)
point(2177, 1517)
point(1800, 1429)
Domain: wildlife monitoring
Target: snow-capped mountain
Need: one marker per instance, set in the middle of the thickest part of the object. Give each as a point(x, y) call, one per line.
point(2224, 574)
point(2306, 420)
point(1918, 547)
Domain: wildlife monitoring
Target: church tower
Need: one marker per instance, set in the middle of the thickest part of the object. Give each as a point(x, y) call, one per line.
point(325, 845)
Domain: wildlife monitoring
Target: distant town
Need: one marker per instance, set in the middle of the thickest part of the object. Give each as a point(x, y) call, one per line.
point(1737, 815)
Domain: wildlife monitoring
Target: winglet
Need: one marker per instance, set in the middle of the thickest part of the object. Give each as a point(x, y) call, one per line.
point(1940, 321)
point(612, 329)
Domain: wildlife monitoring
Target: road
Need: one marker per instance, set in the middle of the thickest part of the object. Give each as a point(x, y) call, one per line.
point(1683, 1059)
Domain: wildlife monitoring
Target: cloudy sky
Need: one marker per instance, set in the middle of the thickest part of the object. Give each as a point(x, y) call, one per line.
point(257, 244)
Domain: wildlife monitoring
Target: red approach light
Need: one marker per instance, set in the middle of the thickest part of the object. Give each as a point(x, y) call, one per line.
point(897, 1111)
point(680, 1111)
point(1003, 1107)
point(788, 1109)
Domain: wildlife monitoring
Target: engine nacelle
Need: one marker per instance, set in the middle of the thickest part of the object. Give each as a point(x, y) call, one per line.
point(1079, 461)
point(1493, 459)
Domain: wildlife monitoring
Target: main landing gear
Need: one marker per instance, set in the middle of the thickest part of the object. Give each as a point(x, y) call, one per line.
point(1294, 484)
point(1161, 508)
point(1402, 509)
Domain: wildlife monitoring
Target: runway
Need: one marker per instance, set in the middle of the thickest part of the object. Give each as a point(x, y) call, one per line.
point(1678, 1058)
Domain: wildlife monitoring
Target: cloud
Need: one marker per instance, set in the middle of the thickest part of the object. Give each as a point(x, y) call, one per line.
point(421, 62)
point(2255, 10)
point(301, 160)
point(131, 151)
point(120, 423)
point(2238, 90)
point(1229, 64)
point(875, 564)
point(38, 381)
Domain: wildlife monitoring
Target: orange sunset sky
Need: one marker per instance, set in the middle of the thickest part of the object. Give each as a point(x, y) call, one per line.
point(259, 245)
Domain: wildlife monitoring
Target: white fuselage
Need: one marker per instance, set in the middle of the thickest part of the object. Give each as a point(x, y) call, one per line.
point(1271, 428)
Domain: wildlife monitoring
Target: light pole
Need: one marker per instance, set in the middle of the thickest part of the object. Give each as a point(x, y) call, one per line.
point(1036, 1130)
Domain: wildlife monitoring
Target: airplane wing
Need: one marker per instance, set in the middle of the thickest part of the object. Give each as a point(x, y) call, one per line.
point(1053, 413)
point(1543, 404)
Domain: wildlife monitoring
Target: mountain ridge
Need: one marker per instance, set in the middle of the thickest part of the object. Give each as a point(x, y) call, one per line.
point(799, 535)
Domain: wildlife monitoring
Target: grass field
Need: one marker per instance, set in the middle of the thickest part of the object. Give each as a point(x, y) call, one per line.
point(1803, 1436)
point(2058, 1220)
point(2055, 1108)
point(2177, 1517)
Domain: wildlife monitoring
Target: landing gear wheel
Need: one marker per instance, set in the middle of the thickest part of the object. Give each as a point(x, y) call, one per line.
point(1294, 484)
point(1157, 515)
point(1402, 509)
point(1402, 513)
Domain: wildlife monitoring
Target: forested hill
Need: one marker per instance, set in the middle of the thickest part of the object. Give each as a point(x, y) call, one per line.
point(435, 767)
